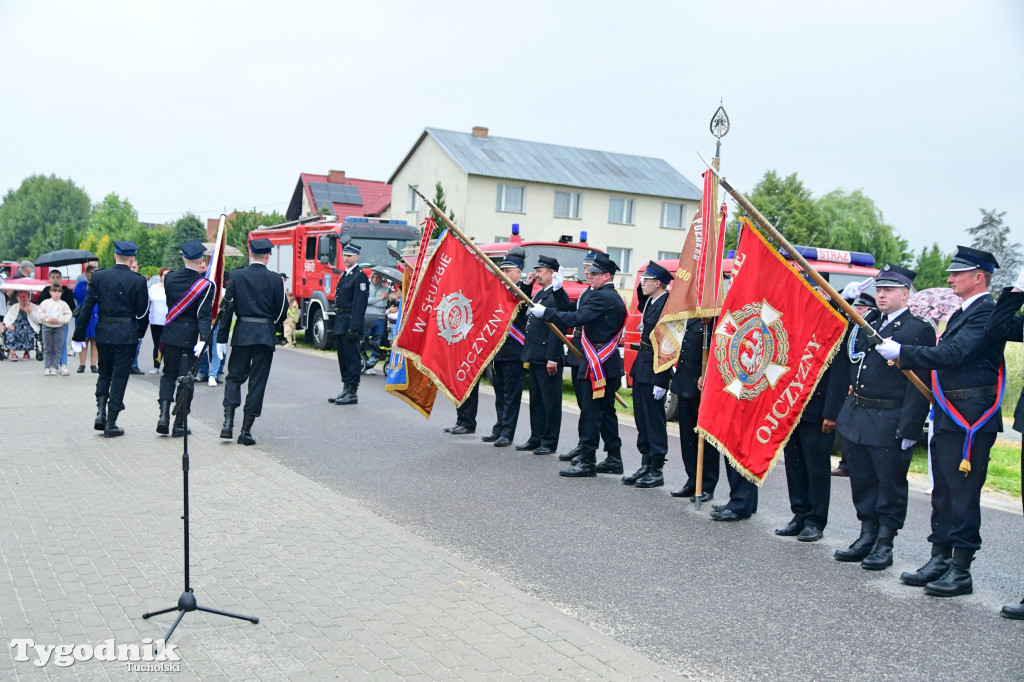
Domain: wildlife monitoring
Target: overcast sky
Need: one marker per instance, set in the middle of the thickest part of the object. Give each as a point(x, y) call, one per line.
point(200, 106)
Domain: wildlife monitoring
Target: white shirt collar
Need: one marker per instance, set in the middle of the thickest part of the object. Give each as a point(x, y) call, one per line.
point(966, 304)
point(893, 316)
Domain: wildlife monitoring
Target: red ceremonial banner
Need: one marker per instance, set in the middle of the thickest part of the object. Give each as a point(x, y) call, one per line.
point(457, 318)
point(774, 339)
point(215, 271)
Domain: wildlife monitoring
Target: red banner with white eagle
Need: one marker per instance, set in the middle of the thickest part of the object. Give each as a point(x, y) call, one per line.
point(457, 318)
point(772, 342)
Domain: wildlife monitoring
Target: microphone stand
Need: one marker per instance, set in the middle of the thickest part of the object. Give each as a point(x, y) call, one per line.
point(183, 405)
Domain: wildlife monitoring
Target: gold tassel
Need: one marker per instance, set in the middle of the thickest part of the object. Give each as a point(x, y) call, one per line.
point(965, 466)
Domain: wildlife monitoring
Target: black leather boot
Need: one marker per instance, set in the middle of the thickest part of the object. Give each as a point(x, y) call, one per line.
point(245, 435)
point(933, 570)
point(110, 428)
point(957, 580)
point(179, 426)
point(101, 414)
point(1013, 611)
point(569, 456)
point(229, 423)
point(653, 477)
point(344, 392)
point(612, 464)
point(585, 468)
point(880, 557)
point(164, 421)
point(645, 464)
point(862, 546)
point(351, 398)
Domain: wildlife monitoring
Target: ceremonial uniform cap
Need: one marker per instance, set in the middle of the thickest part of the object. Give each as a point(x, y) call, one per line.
point(655, 271)
point(125, 248)
point(260, 246)
point(511, 261)
point(967, 258)
point(546, 262)
point(603, 263)
point(192, 249)
point(894, 276)
point(352, 249)
point(866, 300)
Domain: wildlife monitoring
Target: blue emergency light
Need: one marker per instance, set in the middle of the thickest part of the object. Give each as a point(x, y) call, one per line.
point(583, 236)
point(515, 228)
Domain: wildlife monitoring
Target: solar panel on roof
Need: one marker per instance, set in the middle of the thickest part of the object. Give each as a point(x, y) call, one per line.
point(325, 194)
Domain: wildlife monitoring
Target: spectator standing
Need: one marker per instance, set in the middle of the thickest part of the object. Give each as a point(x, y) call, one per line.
point(87, 349)
point(54, 315)
point(157, 317)
point(68, 296)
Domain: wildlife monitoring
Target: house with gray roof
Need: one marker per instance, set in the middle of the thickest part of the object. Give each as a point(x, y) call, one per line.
point(636, 208)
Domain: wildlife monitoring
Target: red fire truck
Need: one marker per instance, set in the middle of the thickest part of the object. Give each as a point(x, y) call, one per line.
point(308, 250)
point(838, 267)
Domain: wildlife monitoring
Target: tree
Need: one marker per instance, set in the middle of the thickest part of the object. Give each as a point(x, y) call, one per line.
point(238, 229)
point(114, 217)
point(789, 206)
point(852, 222)
point(35, 217)
point(441, 206)
point(931, 268)
point(152, 241)
point(992, 235)
point(185, 228)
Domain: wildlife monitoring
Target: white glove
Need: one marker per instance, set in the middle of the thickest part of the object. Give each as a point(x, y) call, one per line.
point(198, 349)
point(222, 350)
point(537, 310)
point(77, 346)
point(659, 392)
point(1019, 284)
point(889, 349)
point(558, 278)
point(907, 443)
point(854, 289)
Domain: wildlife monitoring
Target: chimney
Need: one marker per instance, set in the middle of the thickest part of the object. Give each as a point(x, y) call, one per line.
point(337, 177)
point(479, 131)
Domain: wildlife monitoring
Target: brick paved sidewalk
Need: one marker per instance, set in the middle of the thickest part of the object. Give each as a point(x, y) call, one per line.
point(91, 538)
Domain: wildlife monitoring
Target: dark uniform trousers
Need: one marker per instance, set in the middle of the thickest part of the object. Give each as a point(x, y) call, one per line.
point(545, 405)
point(252, 364)
point(956, 499)
point(508, 396)
point(809, 472)
point(687, 408)
point(742, 493)
point(878, 482)
point(465, 414)
point(592, 411)
point(115, 362)
point(348, 354)
point(173, 368)
point(649, 414)
point(609, 431)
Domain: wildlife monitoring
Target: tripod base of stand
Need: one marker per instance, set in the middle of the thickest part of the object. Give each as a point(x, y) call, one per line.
point(186, 604)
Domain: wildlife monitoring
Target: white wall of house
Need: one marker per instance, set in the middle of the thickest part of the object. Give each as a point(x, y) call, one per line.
point(428, 165)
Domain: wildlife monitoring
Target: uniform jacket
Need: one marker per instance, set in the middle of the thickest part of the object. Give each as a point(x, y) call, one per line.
point(542, 346)
point(684, 381)
point(966, 357)
point(193, 324)
point(510, 350)
point(1006, 325)
point(642, 370)
point(252, 292)
point(350, 298)
point(123, 302)
point(601, 316)
point(574, 340)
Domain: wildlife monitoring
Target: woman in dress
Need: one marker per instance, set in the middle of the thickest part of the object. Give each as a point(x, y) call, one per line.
point(90, 331)
point(21, 324)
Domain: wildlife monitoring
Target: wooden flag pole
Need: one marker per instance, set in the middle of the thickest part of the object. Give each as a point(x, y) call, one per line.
point(850, 311)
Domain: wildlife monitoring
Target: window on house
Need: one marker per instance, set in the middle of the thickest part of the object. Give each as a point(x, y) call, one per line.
point(667, 255)
point(621, 257)
point(672, 215)
point(510, 198)
point(620, 211)
point(567, 205)
point(414, 200)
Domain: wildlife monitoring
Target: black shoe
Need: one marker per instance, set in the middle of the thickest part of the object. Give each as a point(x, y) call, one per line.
point(704, 497)
point(862, 546)
point(609, 466)
point(841, 471)
point(163, 424)
point(569, 456)
point(652, 479)
point(460, 430)
point(580, 470)
point(341, 395)
point(81, 369)
point(100, 422)
point(543, 450)
point(528, 446)
point(687, 490)
point(791, 529)
point(502, 442)
point(229, 423)
point(110, 428)
point(636, 475)
point(94, 369)
point(881, 554)
point(726, 515)
point(1013, 611)
point(718, 507)
point(136, 370)
point(350, 397)
point(810, 533)
point(953, 583)
point(491, 438)
point(245, 434)
point(933, 570)
point(178, 431)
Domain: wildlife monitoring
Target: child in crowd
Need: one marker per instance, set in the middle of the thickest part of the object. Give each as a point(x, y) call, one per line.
point(54, 314)
point(291, 320)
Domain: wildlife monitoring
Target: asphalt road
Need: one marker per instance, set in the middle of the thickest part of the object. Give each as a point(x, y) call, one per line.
point(717, 601)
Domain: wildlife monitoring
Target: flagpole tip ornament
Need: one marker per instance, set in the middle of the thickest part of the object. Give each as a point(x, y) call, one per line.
point(720, 123)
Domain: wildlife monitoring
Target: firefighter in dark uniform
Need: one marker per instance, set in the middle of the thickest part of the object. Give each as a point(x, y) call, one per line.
point(190, 307)
point(350, 299)
point(685, 382)
point(1007, 325)
point(543, 352)
point(508, 366)
point(609, 420)
point(848, 356)
point(600, 321)
point(881, 421)
point(968, 373)
point(255, 296)
point(123, 302)
point(650, 387)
